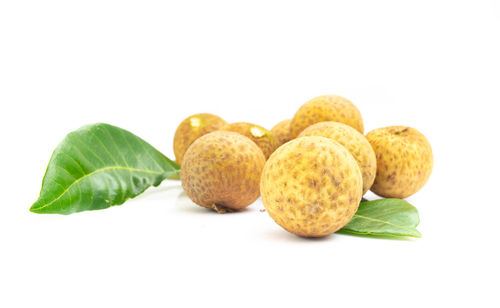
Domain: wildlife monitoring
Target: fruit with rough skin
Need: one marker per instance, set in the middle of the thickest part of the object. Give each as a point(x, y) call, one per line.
point(191, 129)
point(258, 134)
point(404, 161)
point(326, 108)
point(281, 131)
point(354, 142)
point(221, 171)
point(311, 186)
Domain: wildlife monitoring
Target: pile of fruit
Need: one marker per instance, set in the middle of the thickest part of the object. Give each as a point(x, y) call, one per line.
point(311, 171)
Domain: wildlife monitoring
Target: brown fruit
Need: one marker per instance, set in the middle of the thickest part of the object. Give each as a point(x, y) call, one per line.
point(311, 186)
point(326, 108)
point(354, 142)
point(191, 129)
point(221, 171)
point(281, 131)
point(404, 161)
point(258, 134)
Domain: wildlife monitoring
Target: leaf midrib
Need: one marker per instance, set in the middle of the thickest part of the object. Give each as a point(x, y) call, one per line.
point(383, 221)
point(95, 172)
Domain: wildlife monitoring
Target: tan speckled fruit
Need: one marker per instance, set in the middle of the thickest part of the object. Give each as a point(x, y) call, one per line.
point(354, 142)
point(281, 131)
point(258, 134)
point(311, 186)
point(326, 108)
point(192, 128)
point(404, 161)
point(221, 171)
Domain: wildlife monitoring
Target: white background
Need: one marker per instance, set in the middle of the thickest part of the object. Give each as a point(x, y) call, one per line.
point(146, 65)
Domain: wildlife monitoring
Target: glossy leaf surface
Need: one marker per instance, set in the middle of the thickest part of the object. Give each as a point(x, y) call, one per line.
point(385, 217)
point(98, 166)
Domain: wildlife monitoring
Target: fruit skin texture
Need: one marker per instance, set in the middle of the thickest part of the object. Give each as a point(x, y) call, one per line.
point(326, 108)
point(191, 129)
point(281, 131)
point(221, 171)
point(354, 142)
point(404, 161)
point(311, 186)
point(258, 134)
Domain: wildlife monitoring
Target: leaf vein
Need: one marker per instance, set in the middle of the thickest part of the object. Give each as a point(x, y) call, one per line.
point(116, 146)
point(382, 221)
point(104, 147)
point(90, 151)
point(73, 159)
point(114, 168)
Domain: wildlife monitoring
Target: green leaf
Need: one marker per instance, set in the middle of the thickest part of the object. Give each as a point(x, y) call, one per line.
point(98, 166)
point(384, 217)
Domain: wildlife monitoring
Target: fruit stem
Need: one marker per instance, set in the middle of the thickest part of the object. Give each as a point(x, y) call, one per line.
point(221, 209)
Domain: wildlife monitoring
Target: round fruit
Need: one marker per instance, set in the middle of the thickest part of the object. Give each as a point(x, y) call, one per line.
point(258, 134)
point(221, 171)
point(354, 142)
point(311, 186)
point(191, 129)
point(326, 108)
point(281, 131)
point(404, 161)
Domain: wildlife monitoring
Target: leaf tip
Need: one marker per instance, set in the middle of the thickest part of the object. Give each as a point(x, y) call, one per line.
point(34, 209)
